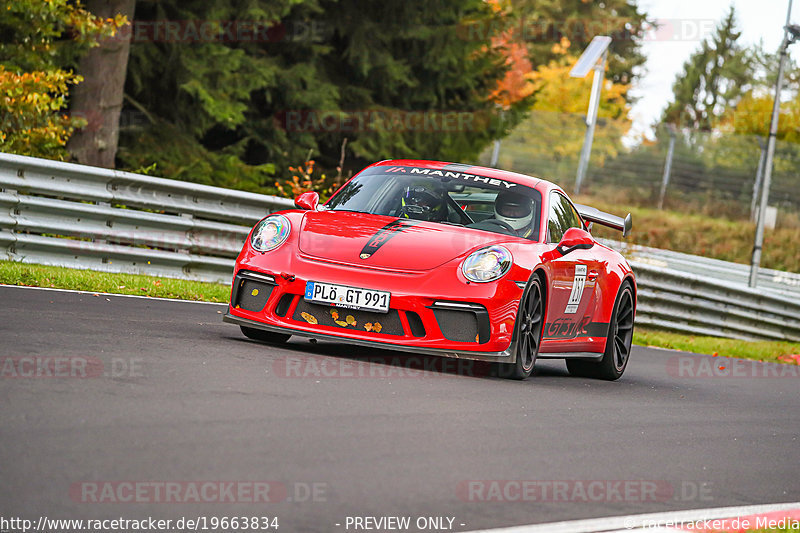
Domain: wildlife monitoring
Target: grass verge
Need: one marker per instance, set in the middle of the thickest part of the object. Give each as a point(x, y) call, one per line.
point(14, 273)
point(772, 351)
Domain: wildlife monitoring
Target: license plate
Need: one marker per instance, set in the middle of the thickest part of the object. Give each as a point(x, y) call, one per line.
point(348, 297)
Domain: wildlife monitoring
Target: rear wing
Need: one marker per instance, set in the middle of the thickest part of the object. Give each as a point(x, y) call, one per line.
point(592, 214)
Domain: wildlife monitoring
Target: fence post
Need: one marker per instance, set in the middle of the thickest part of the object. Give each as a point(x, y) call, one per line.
point(759, 177)
point(789, 37)
point(496, 147)
point(495, 153)
point(667, 166)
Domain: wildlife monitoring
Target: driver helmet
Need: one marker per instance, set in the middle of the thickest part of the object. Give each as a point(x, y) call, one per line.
point(514, 209)
point(423, 201)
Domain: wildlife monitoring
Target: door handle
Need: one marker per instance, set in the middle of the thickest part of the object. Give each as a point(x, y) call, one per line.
point(592, 276)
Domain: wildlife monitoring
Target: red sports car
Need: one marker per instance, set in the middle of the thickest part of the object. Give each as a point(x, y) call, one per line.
point(445, 259)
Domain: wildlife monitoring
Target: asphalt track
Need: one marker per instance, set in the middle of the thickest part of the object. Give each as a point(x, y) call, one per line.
point(175, 395)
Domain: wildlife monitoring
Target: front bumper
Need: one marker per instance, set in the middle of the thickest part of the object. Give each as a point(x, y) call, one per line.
point(497, 357)
point(465, 325)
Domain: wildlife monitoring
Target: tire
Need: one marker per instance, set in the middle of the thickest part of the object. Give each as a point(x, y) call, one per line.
point(529, 327)
point(618, 343)
point(264, 336)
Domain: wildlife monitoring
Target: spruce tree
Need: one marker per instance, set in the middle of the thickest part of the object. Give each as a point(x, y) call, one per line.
point(376, 72)
point(400, 78)
point(713, 79)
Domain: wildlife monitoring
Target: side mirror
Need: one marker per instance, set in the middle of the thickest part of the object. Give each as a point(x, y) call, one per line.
point(575, 239)
point(308, 201)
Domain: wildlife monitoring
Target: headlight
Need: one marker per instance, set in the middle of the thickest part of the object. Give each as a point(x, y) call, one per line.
point(487, 264)
point(270, 233)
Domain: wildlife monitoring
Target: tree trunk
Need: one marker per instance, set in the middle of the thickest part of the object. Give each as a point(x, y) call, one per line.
point(98, 98)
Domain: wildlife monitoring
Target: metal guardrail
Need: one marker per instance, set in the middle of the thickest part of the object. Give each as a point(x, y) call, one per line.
point(775, 281)
point(71, 215)
point(674, 300)
point(85, 217)
point(694, 294)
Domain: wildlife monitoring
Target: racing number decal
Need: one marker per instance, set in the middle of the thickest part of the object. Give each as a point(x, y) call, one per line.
point(577, 290)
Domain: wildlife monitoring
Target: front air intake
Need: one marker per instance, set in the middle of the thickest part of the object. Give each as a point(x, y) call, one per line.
point(251, 291)
point(462, 322)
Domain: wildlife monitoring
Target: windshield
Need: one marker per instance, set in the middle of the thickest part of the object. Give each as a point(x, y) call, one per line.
point(443, 196)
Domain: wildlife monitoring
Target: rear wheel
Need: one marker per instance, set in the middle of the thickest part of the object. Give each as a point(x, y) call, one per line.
point(618, 344)
point(265, 336)
point(529, 327)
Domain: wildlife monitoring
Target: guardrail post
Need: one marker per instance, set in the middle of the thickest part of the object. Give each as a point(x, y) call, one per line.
point(109, 224)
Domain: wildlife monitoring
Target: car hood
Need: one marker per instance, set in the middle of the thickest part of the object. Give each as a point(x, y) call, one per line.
point(387, 242)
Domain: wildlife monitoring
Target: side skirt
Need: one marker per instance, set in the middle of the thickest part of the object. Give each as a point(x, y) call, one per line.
point(571, 355)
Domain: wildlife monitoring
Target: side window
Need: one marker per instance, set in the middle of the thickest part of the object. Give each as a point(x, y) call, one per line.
point(561, 217)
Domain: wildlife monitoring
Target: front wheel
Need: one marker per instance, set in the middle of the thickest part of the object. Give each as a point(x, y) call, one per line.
point(618, 343)
point(265, 336)
point(529, 327)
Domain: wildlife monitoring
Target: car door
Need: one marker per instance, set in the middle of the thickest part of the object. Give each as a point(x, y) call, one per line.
point(574, 276)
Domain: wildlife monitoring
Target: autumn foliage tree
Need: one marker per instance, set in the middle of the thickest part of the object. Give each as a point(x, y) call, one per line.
point(543, 24)
point(517, 83)
point(557, 92)
point(752, 113)
point(541, 47)
point(42, 40)
point(549, 141)
point(31, 122)
point(562, 103)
